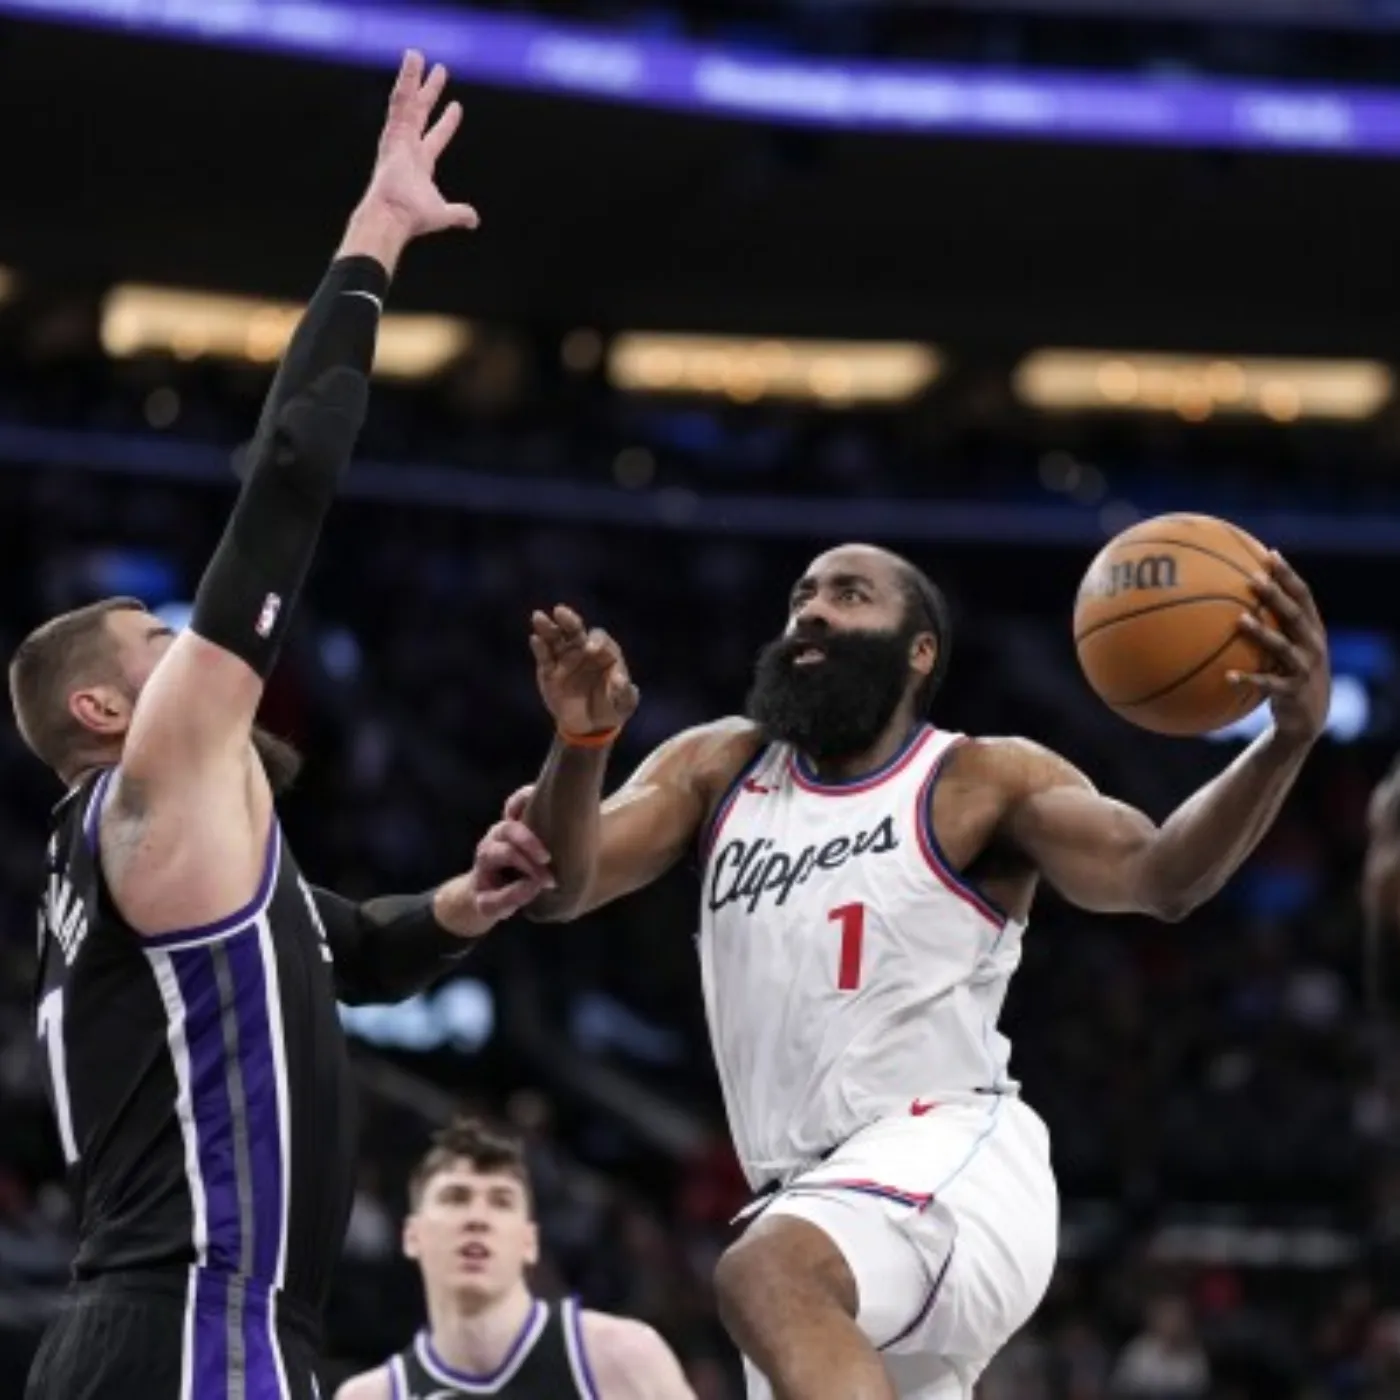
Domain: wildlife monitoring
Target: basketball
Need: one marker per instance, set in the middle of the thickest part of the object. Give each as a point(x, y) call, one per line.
point(1156, 623)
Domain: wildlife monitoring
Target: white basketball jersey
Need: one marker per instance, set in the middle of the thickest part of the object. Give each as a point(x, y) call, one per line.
point(849, 974)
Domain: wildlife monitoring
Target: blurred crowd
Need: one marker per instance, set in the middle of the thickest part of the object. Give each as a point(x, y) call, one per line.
point(1223, 1095)
point(1345, 40)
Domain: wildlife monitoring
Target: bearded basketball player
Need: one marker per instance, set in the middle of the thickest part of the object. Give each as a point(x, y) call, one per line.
point(471, 1230)
point(188, 975)
point(867, 880)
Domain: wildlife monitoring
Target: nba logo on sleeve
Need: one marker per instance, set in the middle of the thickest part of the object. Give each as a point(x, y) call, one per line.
point(267, 618)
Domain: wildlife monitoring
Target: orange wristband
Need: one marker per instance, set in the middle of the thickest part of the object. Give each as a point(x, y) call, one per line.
point(598, 740)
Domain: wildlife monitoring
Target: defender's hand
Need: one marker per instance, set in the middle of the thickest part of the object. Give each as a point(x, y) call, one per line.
point(403, 185)
point(1299, 685)
point(510, 870)
point(582, 677)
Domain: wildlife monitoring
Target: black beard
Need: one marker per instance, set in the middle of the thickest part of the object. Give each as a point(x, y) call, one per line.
point(836, 708)
point(281, 761)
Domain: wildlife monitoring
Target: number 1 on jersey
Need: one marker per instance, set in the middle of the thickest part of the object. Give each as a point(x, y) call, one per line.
point(851, 917)
point(51, 1032)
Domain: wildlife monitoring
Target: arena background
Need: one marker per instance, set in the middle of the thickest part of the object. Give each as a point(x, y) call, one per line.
point(1016, 202)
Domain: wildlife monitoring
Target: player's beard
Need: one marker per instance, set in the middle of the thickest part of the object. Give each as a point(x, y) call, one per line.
point(281, 761)
point(836, 708)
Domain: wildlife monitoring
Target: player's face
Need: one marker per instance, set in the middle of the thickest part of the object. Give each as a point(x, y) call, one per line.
point(472, 1232)
point(141, 641)
point(850, 653)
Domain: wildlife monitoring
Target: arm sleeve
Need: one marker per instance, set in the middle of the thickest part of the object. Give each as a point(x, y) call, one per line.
point(386, 949)
point(292, 470)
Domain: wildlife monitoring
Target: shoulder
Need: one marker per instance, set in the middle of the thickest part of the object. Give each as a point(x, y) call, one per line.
point(630, 1358)
point(368, 1385)
point(1013, 767)
point(731, 740)
point(709, 755)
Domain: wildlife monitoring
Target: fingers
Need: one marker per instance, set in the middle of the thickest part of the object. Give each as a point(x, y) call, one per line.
point(412, 100)
point(462, 216)
point(545, 628)
point(570, 624)
point(1290, 600)
point(623, 696)
point(442, 131)
point(1266, 683)
point(600, 651)
point(518, 802)
point(1289, 580)
point(407, 83)
point(1289, 656)
point(510, 899)
point(511, 843)
point(564, 637)
point(429, 95)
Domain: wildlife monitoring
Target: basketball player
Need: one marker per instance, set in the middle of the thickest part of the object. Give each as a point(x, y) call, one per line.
point(471, 1228)
point(186, 1011)
point(866, 885)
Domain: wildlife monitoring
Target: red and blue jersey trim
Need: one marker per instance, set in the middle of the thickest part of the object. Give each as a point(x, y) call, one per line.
point(807, 780)
point(913, 1199)
point(953, 880)
point(709, 836)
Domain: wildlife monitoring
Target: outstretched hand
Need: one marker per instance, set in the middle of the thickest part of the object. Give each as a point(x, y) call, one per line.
point(403, 185)
point(511, 869)
point(582, 676)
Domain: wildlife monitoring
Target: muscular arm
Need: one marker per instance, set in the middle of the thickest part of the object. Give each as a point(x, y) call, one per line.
point(1107, 857)
point(368, 1385)
point(604, 850)
point(190, 811)
point(629, 1360)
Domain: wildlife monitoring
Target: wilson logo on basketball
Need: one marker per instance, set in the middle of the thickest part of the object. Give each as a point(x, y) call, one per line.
point(1151, 572)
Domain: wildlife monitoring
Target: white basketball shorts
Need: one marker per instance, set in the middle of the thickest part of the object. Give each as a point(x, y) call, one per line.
point(949, 1221)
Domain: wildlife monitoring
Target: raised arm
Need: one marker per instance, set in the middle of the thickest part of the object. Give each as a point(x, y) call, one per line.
point(603, 850)
point(631, 1361)
point(1107, 857)
point(188, 815)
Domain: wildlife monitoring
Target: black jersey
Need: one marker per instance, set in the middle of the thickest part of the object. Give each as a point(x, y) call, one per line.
point(547, 1361)
point(200, 1081)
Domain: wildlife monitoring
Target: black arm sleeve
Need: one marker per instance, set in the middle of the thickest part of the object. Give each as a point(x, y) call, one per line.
point(338, 330)
point(386, 949)
point(292, 471)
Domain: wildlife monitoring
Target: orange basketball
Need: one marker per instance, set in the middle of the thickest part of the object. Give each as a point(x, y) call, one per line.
point(1156, 623)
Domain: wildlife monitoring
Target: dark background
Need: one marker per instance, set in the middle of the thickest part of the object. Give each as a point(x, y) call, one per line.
point(1221, 1094)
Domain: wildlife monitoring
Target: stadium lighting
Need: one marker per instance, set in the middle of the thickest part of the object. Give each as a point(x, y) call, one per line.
point(140, 320)
point(835, 373)
point(1198, 387)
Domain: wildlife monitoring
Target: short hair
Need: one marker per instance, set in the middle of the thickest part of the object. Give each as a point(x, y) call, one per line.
point(926, 610)
point(491, 1150)
point(67, 652)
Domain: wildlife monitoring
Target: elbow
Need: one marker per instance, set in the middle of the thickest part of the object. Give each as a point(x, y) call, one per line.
point(1160, 894)
point(1170, 909)
point(1168, 901)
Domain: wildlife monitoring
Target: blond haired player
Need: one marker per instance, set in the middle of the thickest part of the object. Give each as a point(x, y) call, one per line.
point(866, 884)
point(471, 1229)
